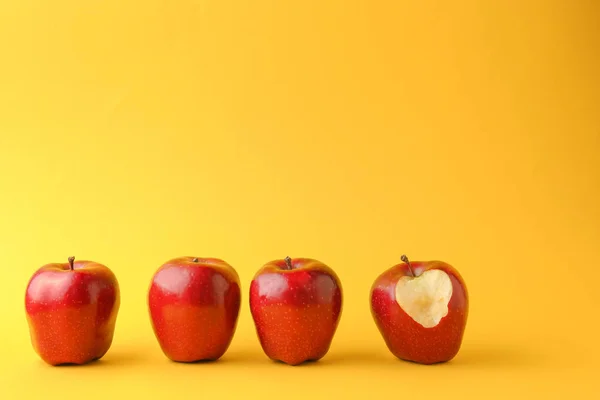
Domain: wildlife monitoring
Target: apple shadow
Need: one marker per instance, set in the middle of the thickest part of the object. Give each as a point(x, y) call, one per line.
point(354, 357)
point(112, 358)
point(333, 357)
point(305, 364)
point(254, 357)
point(358, 357)
point(496, 355)
point(89, 364)
point(246, 356)
point(230, 357)
point(219, 361)
point(486, 355)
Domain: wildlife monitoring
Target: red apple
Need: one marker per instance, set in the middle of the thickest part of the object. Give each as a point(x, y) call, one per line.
point(296, 307)
point(194, 305)
point(71, 311)
point(420, 309)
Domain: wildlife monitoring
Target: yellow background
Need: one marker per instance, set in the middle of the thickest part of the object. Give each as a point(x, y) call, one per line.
point(132, 132)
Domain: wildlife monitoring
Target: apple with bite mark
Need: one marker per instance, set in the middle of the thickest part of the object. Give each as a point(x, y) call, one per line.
point(71, 311)
point(421, 309)
point(296, 306)
point(194, 305)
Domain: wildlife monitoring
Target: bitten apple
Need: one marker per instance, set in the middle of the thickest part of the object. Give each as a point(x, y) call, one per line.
point(194, 305)
point(71, 311)
point(296, 306)
point(421, 309)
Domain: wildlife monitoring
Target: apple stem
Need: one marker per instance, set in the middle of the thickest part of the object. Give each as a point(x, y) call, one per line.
point(288, 262)
point(195, 259)
point(71, 263)
point(407, 261)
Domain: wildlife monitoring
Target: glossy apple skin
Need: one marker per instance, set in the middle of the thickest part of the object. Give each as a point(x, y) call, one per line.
point(194, 308)
point(404, 337)
point(72, 313)
point(296, 312)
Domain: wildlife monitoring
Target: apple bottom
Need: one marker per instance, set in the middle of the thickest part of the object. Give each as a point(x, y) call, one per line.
point(69, 337)
point(423, 345)
point(409, 341)
point(433, 349)
point(291, 354)
point(295, 335)
point(189, 334)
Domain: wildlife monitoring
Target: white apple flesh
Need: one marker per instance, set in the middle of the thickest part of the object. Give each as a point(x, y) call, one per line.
point(425, 298)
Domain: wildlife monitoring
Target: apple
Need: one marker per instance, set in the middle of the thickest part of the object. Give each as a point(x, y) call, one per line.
point(71, 310)
point(194, 305)
point(296, 306)
point(421, 309)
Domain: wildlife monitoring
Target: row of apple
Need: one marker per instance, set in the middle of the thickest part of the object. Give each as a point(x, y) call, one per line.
point(420, 308)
